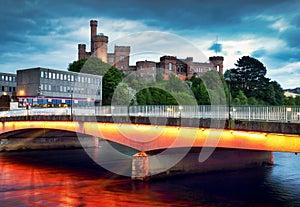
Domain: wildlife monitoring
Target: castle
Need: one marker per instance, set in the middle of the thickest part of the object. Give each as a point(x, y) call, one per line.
point(182, 68)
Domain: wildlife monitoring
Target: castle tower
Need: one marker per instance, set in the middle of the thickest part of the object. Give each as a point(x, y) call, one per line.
point(81, 51)
point(93, 25)
point(122, 57)
point(100, 46)
point(217, 62)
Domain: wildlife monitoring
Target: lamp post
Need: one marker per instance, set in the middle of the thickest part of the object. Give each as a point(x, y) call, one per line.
point(71, 105)
point(228, 80)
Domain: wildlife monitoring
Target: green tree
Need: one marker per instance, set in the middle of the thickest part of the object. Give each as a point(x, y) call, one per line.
point(289, 101)
point(77, 65)
point(175, 84)
point(111, 79)
point(249, 77)
point(243, 100)
point(297, 100)
point(279, 93)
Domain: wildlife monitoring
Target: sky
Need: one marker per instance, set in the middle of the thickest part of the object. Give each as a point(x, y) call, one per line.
point(46, 33)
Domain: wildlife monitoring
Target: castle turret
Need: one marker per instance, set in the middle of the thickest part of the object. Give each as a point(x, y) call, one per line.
point(100, 46)
point(81, 51)
point(217, 62)
point(93, 24)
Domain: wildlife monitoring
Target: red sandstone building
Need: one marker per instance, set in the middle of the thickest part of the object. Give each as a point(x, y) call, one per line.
point(183, 68)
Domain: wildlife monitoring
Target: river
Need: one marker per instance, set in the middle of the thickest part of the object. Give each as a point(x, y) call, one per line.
point(71, 178)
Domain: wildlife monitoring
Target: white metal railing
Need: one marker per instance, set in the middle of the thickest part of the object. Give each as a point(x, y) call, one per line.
point(266, 113)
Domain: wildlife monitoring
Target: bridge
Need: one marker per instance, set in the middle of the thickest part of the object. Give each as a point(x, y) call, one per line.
point(249, 137)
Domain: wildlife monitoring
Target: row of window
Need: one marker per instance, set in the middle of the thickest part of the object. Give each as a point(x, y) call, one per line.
point(8, 89)
point(68, 89)
point(70, 78)
point(7, 78)
point(111, 59)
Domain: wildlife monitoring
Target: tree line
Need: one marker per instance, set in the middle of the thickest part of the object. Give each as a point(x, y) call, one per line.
point(247, 83)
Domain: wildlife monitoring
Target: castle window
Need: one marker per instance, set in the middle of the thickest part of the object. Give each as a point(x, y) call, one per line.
point(170, 66)
point(122, 57)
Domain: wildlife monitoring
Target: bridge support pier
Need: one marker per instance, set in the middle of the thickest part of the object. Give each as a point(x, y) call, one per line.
point(145, 166)
point(140, 166)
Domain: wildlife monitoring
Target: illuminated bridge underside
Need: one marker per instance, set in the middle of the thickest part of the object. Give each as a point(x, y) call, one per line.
point(149, 137)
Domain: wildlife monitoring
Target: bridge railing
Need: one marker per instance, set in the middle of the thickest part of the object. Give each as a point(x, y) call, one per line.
point(265, 113)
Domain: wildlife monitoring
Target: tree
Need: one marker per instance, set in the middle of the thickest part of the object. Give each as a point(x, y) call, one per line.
point(242, 98)
point(297, 100)
point(249, 77)
point(175, 84)
point(111, 79)
point(77, 65)
point(289, 101)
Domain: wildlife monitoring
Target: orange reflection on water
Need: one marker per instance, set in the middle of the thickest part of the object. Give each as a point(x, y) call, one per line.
point(26, 184)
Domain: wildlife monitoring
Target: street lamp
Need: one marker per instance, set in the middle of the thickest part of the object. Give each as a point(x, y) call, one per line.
point(228, 80)
point(71, 105)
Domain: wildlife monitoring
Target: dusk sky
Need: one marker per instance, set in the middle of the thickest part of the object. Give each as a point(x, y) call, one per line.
point(42, 33)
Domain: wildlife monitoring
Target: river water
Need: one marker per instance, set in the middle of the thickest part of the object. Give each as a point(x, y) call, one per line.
point(71, 178)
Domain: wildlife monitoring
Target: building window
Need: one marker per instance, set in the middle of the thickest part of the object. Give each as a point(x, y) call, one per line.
point(53, 76)
point(6, 78)
point(111, 60)
point(65, 77)
point(10, 79)
point(141, 67)
point(50, 75)
point(42, 87)
point(122, 66)
point(61, 76)
point(42, 74)
point(57, 76)
point(122, 57)
point(14, 79)
point(170, 66)
point(72, 78)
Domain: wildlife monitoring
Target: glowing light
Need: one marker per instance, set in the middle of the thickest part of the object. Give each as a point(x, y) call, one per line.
point(21, 92)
